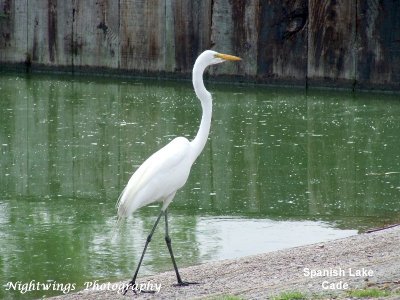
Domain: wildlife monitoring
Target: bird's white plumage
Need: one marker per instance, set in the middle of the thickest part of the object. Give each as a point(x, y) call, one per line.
point(167, 170)
point(159, 177)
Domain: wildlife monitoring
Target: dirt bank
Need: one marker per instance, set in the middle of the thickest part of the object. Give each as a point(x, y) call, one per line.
point(358, 262)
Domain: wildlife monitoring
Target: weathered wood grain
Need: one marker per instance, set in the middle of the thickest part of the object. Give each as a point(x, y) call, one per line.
point(13, 31)
point(49, 32)
point(303, 42)
point(282, 41)
point(96, 33)
point(331, 41)
point(234, 30)
point(221, 33)
point(191, 27)
point(378, 55)
point(142, 35)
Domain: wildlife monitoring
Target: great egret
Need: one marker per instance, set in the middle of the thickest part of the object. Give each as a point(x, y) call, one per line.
point(167, 170)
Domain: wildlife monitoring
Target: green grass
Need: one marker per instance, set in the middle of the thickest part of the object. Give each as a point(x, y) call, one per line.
point(372, 293)
point(290, 296)
point(362, 294)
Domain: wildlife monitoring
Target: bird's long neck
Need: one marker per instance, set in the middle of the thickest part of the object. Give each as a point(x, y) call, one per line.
point(205, 98)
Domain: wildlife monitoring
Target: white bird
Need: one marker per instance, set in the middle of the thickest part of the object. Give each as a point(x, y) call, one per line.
point(167, 170)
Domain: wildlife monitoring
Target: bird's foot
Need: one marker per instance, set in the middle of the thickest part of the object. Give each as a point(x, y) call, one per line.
point(185, 283)
point(130, 286)
point(136, 288)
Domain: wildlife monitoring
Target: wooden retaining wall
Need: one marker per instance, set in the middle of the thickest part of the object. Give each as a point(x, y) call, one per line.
point(345, 43)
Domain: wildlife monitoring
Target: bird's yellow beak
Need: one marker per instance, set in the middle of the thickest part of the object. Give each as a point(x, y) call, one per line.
point(227, 57)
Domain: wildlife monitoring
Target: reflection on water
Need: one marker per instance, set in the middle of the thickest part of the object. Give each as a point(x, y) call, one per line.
point(242, 237)
point(281, 169)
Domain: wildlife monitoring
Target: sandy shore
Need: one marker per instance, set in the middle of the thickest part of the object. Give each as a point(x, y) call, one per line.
point(363, 261)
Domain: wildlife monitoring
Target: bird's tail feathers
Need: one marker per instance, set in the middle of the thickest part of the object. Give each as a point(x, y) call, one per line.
point(119, 198)
point(121, 214)
point(115, 230)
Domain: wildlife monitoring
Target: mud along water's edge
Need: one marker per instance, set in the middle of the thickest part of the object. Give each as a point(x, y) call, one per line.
point(357, 262)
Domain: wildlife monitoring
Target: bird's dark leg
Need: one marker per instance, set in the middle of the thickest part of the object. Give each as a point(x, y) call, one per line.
point(132, 283)
point(168, 241)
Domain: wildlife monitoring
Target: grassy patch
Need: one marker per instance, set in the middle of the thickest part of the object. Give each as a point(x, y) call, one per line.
point(290, 296)
point(372, 293)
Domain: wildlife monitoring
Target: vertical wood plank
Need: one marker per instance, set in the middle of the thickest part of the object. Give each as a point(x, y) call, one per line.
point(331, 40)
point(49, 35)
point(64, 35)
point(6, 29)
point(234, 30)
point(222, 24)
point(282, 41)
point(191, 27)
point(13, 31)
point(42, 31)
point(96, 33)
point(246, 24)
point(142, 35)
point(378, 56)
point(169, 37)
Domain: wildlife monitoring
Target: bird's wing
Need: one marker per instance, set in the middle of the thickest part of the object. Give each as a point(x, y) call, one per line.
point(158, 177)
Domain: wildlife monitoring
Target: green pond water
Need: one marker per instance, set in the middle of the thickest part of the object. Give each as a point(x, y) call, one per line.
point(281, 168)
